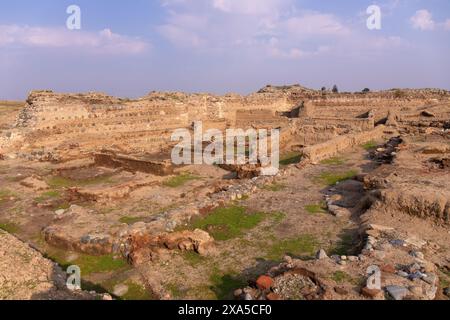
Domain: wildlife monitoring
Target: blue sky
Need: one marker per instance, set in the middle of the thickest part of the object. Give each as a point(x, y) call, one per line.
point(129, 48)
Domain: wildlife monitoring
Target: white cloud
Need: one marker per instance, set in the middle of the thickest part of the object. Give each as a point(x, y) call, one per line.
point(274, 28)
point(251, 7)
point(104, 41)
point(423, 20)
point(447, 24)
point(314, 24)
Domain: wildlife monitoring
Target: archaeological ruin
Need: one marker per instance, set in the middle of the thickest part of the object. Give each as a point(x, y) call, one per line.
point(88, 180)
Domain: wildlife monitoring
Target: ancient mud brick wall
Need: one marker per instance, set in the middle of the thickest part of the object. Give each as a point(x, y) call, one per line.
point(351, 123)
point(89, 122)
point(258, 118)
point(93, 121)
point(331, 148)
point(97, 120)
point(353, 108)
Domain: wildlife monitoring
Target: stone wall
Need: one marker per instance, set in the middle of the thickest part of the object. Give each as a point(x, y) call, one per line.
point(84, 123)
point(331, 148)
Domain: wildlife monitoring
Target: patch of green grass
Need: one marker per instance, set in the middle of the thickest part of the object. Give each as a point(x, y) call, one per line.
point(278, 216)
point(229, 222)
point(174, 290)
point(57, 182)
point(445, 271)
point(5, 194)
point(333, 161)
point(201, 292)
point(244, 197)
point(305, 245)
point(99, 264)
point(47, 196)
point(345, 245)
point(193, 258)
point(223, 285)
point(88, 264)
point(290, 158)
point(106, 211)
point(60, 182)
point(369, 145)
point(444, 282)
point(180, 180)
point(341, 277)
point(274, 187)
point(130, 220)
point(136, 292)
point(10, 227)
point(333, 178)
point(316, 208)
point(444, 277)
point(65, 205)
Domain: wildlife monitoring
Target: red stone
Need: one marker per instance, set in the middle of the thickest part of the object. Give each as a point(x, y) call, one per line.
point(341, 291)
point(371, 293)
point(388, 268)
point(273, 297)
point(264, 282)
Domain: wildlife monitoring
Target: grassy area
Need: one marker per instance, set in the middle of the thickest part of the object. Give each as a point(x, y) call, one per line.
point(341, 277)
point(278, 216)
point(229, 222)
point(335, 161)
point(58, 182)
point(369, 145)
point(345, 245)
point(175, 291)
point(303, 246)
point(180, 180)
point(193, 258)
point(290, 158)
point(130, 220)
point(316, 208)
point(100, 264)
point(136, 292)
point(274, 187)
point(223, 285)
point(333, 178)
point(9, 227)
point(6, 194)
point(47, 196)
point(444, 277)
point(88, 264)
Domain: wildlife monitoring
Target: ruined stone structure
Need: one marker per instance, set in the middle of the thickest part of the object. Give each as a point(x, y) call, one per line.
point(88, 178)
point(70, 125)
